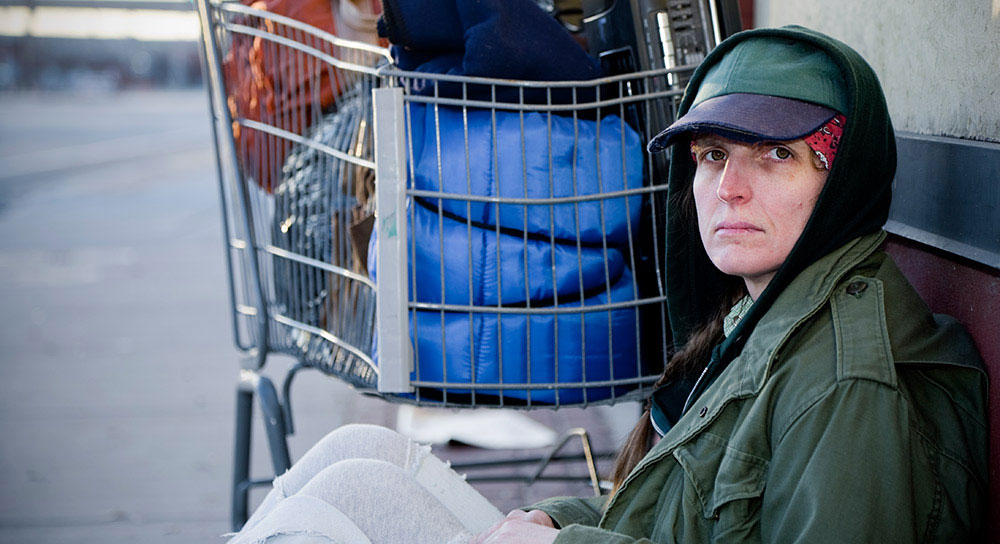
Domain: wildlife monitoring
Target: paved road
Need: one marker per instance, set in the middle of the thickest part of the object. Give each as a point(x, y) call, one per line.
point(117, 369)
point(116, 361)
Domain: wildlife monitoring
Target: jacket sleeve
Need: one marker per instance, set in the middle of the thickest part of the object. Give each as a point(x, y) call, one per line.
point(577, 520)
point(580, 534)
point(841, 469)
point(566, 511)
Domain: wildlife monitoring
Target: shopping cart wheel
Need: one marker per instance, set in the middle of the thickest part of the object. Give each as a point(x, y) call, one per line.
point(274, 424)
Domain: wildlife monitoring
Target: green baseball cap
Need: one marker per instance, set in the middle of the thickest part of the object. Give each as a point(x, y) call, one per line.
point(763, 89)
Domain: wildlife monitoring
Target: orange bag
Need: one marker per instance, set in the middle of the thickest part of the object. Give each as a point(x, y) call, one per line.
point(276, 85)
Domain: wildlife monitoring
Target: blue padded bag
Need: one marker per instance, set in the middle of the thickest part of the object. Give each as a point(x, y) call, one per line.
point(496, 261)
point(557, 157)
point(593, 347)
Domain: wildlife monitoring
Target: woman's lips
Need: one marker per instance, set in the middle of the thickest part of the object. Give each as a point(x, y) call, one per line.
point(736, 227)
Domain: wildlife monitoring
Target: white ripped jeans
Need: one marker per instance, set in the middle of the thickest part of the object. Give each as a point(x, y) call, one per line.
point(368, 484)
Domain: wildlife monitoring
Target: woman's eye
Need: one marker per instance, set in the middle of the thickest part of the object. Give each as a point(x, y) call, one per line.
point(780, 153)
point(715, 155)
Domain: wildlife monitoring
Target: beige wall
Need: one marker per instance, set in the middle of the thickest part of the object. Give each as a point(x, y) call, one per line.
point(939, 61)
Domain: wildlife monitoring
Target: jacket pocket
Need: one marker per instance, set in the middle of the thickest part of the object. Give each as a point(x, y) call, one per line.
point(728, 484)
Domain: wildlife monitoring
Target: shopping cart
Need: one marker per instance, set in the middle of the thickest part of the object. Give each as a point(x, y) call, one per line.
point(434, 240)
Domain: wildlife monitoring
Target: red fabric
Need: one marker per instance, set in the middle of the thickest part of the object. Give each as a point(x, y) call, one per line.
point(276, 85)
point(825, 141)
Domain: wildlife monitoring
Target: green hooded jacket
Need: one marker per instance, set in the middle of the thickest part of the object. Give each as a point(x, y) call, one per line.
point(840, 409)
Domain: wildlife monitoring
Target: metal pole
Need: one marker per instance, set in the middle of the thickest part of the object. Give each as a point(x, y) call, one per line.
point(217, 84)
point(241, 458)
point(205, 71)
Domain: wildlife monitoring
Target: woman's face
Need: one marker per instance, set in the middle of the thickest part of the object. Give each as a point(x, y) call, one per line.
point(753, 201)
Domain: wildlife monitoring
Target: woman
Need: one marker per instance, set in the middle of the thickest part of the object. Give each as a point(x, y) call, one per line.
point(814, 397)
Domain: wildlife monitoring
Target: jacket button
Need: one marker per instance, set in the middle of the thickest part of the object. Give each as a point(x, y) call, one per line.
point(704, 410)
point(856, 288)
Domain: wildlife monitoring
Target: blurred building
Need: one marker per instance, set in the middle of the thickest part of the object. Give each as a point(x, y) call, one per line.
point(98, 44)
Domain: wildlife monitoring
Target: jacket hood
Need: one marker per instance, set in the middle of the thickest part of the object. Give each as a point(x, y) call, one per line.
point(854, 202)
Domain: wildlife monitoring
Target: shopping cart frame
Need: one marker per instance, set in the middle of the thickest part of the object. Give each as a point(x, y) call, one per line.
point(251, 319)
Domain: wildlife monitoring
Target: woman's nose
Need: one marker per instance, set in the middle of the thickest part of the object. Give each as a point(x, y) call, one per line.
point(733, 186)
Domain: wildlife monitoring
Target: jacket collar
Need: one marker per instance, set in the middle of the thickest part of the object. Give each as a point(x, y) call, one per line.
point(746, 374)
point(803, 297)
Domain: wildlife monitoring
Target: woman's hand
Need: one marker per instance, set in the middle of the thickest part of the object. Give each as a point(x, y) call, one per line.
point(534, 527)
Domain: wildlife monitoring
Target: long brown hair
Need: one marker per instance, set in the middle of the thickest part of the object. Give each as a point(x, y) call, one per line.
point(687, 361)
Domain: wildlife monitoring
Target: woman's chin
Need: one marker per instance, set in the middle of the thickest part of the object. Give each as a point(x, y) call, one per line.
point(744, 266)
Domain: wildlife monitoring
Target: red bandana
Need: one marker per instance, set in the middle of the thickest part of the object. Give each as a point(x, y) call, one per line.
point(825, 141)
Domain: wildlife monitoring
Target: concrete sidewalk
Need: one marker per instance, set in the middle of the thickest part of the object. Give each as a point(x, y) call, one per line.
point(117, 370)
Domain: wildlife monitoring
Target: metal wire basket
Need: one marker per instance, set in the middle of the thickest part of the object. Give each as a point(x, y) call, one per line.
point(434, 239)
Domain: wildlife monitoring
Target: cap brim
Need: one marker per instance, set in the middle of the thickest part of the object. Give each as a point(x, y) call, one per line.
point(747, 117)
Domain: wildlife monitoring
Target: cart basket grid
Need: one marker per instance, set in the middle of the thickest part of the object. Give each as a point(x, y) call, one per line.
point(438, 239)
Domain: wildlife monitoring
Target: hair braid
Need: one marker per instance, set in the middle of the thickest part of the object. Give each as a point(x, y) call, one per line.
point(686, 362)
